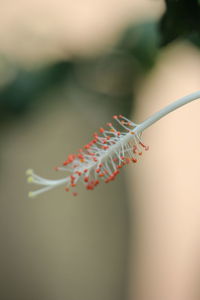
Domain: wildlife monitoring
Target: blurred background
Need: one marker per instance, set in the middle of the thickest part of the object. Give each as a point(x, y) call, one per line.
point(65, 68)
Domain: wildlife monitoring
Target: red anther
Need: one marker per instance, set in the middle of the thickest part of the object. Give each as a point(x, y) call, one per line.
point(120, 116)
point(96, 182)
point(78, 173)
point(73, 184)
point(112, 177)
point(128, 123)
point(109, 124)
point(71, 157)
point(101, 174)
point(85, 171)
point(89, 186)
point(107, 180)
point(94, 141)
point(97, 170)
point(134, 149)
point(116, 172)
point(95, 159)
point(118, 133)
point(101, 130)
point(122, 157)
point(72, 178)
point(105, 147)
point(74, 193)
point(67, 189)
point(142, 144)
point(104, 141)
point(134, 160)
point(91, 153)
point(140, 153)
point(119, 166)
point(80, 156)
point(95, 135)
point(86, 178)
point(108, 137)
point(115, 159)
point(87, 146)
point(115, 117)
point(65, 163)
point(100, 165)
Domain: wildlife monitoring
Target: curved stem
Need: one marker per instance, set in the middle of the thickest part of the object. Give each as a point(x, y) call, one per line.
point(166, 110)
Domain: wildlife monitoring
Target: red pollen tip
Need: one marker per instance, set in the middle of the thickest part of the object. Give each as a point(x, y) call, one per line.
point(134, 160)
point(101, 174)
point(86, 178)
point(90, 186)
point(101, 130)
point(115, 117)
point(78, 173)
point(119, 166)
point(95, 135)
point(105, 147)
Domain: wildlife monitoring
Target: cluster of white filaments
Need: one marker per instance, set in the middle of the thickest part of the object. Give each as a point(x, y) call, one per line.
point(100, 159)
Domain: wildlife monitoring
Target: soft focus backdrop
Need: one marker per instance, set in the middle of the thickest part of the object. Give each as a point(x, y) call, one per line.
point(65, 68)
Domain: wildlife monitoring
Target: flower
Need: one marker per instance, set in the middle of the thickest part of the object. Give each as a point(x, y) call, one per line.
point(108, 151)
point(100, 160)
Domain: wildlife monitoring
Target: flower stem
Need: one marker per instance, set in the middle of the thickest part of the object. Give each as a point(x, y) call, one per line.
point(168, 109)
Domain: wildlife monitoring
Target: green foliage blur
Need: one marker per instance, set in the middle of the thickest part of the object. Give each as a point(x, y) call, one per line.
point(112, 76)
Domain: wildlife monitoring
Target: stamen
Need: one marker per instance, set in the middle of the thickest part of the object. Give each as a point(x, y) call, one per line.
point(101, 158)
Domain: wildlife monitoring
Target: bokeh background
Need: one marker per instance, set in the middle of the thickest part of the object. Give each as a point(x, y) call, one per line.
point(65, 68)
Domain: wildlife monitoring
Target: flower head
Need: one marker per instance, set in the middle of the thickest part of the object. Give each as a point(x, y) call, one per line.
point(101, 159)
point(109, 150)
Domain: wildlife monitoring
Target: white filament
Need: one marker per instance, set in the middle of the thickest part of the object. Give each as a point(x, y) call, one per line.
point(118, 146)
